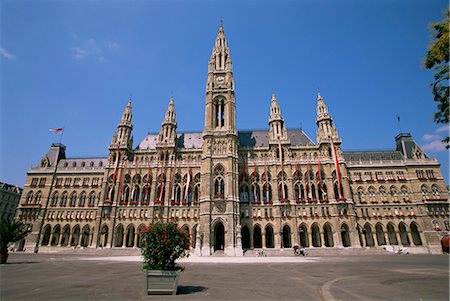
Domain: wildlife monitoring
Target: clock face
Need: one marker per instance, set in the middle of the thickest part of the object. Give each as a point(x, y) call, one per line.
point(220, 79)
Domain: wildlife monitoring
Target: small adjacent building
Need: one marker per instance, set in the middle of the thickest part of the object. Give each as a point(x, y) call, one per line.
point(9, 199)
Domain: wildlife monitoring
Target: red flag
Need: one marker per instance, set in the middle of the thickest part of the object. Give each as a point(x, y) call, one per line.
point(188, 184)
point(147, 191)
point(336, 165)
point(320, 179)
point(280, 151)
point(162, 172)
point(56, 130)
point(308, 183)
point(116, 165)
point(121, 179)
point(267, 183)
point(172, 179)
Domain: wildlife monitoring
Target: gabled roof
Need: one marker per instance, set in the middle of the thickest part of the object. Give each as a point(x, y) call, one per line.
point(246, 138)
point(261, 138)
point(373, 156)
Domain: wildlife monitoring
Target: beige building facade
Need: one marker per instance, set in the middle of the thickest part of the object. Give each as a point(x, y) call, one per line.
point(234, 191)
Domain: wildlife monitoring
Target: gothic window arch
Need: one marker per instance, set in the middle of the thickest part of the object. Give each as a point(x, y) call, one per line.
point(64, 198)
point(92, 199)
point(404, 192)
point(82, 200)
point(244, 193)
point(424, 190)
point(435, 191)
point(196, 184)
point(267, 192)
point(360, 192)
point(394, 194)
point(73, 199)
point(54, 199)
point(382, 191)
point(161, 188)
point(147, 180)
point(372, 194)
point(282, 187)
point(219, 182)
point(219, 112)
point(29, 197)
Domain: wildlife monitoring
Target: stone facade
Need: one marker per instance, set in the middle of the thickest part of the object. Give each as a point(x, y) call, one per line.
point(9, 199)
point(238, 190)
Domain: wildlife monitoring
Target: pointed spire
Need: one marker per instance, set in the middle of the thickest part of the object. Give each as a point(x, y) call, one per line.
point(169, 125)
point(126, 115)
point(220, 56)
point(324, 121)
point(170, 113)
point(122, 137)
point(276, 121)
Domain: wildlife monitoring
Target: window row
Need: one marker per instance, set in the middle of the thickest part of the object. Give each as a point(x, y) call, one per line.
point(76, 215)
point(379, 176)
point(384, 195)
point(73, 200)
point(82, 164)
point(78, 181)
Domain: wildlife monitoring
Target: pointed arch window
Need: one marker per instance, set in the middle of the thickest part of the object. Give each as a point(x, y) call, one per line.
point(219, 112)
point(219, 183)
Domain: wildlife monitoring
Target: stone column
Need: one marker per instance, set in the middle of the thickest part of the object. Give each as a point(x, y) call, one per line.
point(263, 240)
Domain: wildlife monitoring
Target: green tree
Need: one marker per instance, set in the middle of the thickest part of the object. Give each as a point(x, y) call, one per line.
point(10, 232)
point(437, 60)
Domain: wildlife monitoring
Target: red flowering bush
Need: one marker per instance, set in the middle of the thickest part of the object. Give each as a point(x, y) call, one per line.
point(162, 244)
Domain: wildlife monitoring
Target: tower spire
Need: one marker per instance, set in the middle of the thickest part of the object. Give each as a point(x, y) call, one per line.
point(324, 121)
point(276, 122)
point(169, 125)
point(122, 137)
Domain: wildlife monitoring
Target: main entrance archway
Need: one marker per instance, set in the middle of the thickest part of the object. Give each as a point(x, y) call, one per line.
point(219, 237)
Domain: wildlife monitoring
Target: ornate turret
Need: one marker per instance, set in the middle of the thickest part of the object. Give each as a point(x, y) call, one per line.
point(169, 125)
point(220, 101)
point(277, 131)
point(122, 137)
point(324, 121)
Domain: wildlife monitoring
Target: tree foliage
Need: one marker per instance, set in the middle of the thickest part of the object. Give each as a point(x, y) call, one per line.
point(437, 60)
point(162, 244)
point(10, 232)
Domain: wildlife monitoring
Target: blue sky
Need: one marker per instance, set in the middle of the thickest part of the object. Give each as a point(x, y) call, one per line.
point(74, 64)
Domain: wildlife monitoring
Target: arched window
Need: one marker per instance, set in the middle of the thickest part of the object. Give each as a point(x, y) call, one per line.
point(435, 191)
point(82, 201)
point(424, 191)
point(360, 194)
point(64, 198)
point(100, 164)
point(394, 194)
point(219, 112)
point(244, 193)
point(73, 199)
point(92, 199)
point(37, 197)
point(219, 183)
point(404, 193)
point(372, 194)
point(256, 193)
point(267, 192)
point(30, 197)
point(54, 199)
point(383, 194)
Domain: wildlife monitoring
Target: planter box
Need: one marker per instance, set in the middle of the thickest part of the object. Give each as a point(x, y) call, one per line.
point(161, 282)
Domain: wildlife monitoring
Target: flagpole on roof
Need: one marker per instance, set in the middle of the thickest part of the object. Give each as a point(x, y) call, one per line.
point(60, 137)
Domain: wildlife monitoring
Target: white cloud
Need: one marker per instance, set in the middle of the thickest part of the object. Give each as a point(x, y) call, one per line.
point(7, 55)
point(434, 140)
point(445, 128)
point(430, 137)
point(94, 50)
point(435, 146)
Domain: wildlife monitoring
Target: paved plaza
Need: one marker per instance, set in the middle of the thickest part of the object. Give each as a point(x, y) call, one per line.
point(97, 277)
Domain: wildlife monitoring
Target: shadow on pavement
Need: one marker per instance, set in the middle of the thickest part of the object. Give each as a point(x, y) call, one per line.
point(189, 289)
point(23, 262)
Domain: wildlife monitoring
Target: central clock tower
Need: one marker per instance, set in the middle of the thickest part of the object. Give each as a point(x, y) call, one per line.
point(219, 202)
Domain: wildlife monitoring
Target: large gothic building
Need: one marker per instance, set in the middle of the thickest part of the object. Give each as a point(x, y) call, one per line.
point(235, 191)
